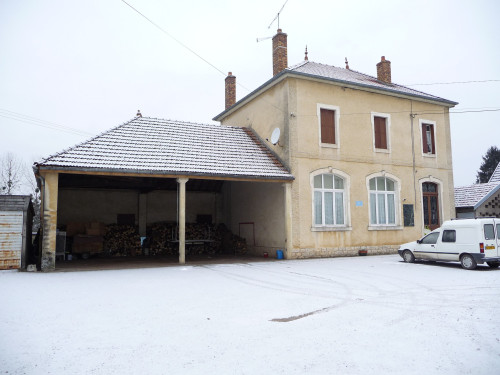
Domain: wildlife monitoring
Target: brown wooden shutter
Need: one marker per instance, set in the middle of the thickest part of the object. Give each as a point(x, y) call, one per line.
point(424, 139)
point(327, 126)
point(432, 139)
point(380, 132)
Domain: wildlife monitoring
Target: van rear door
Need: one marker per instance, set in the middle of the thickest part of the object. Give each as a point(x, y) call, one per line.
point(490, 239)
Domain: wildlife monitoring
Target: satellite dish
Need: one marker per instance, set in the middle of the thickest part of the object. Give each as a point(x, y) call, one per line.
point(275, 137)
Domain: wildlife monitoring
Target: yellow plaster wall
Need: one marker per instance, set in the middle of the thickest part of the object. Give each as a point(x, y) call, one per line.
point(292, 105)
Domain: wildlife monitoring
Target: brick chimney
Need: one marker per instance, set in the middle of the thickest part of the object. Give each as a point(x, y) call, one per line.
point(280, 56)
point(384, 70)
point(230, 90)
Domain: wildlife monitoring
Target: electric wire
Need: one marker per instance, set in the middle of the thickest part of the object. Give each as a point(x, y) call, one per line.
point(452, 83)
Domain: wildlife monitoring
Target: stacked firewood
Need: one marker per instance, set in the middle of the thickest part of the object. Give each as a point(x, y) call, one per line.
point(161, 236)
point(122, 240)
point(231, 243)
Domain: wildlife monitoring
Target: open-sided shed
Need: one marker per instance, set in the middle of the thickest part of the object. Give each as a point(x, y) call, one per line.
point(149, 171)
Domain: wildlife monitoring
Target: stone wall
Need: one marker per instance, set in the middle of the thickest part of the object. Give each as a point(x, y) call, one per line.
point(333, 252)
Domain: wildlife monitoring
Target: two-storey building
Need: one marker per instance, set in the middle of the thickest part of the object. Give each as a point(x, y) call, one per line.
point(371, 159)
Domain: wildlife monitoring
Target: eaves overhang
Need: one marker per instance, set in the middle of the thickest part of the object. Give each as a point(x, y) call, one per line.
point(161, 174)
point(348, 84)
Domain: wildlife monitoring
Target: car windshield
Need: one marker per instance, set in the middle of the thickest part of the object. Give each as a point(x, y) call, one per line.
point(431, 238)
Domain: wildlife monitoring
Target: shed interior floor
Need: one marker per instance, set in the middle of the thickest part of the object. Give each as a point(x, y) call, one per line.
point(115, 263)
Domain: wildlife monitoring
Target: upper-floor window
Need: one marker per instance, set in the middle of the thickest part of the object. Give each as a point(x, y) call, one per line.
point(329, 200)
point(328, 116)
point(428, 137)
point(381, 131)
point(382, 201)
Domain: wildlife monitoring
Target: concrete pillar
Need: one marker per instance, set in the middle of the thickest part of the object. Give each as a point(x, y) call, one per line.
point(49, 220)
point(143, 213)
point(288, 219)
point(182, 219)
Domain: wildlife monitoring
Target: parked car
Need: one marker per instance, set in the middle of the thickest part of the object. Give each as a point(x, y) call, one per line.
point(468, 241)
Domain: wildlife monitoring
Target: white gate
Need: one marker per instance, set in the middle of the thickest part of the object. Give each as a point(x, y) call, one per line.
point(11, 239)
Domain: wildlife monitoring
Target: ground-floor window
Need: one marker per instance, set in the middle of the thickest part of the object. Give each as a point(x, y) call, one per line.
point(382, 201)
point(329, 200)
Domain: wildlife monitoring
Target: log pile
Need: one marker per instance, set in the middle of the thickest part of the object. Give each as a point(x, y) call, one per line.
point(122, 240)
point(160, 237)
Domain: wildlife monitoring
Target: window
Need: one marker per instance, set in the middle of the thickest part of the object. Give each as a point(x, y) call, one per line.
point(381, 132)
point(327, 126)
point(498, 231)
point(329, 199)
point(430, 239)
point(489, 233)
point(449, 236)
point(428, 143)
point(328, 116)
point(382, 201)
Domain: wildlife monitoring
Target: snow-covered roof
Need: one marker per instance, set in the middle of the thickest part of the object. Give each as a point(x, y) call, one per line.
point(474, 195)
point(157, 146)
point(353, 77)
point(313, 70)
point(495, 177)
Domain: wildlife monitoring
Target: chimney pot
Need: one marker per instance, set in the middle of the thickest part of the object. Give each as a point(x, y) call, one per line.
point(230, 90)
point(280, 55)
point(384, 70)
point(139, 113)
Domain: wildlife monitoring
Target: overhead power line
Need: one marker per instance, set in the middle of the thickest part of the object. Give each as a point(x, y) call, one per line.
point(453, 83)
point(173, 37)
point(5, 113)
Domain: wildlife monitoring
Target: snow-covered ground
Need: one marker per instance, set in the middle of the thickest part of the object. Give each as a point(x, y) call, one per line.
point(362, 315)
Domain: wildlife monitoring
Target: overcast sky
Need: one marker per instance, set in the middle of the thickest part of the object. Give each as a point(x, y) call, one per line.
point(89, 65)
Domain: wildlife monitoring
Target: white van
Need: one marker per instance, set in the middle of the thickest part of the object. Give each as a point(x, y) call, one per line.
point(468, 241)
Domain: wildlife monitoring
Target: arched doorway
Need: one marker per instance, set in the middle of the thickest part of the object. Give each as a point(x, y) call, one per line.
point(430, 202)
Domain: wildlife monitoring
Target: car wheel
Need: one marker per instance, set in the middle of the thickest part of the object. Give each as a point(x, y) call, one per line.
point(468, 262)
point(408, 256)
point(493, 264)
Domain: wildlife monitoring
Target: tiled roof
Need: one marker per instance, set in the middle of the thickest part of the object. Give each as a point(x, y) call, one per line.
point(357, 78)
point(157, 146)
point(471, 195)
point(495, 177)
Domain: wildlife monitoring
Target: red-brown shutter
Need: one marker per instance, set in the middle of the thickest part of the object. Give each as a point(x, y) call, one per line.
point(424, 138)
point(432, 139)
point(327, 126)
point(380, 132)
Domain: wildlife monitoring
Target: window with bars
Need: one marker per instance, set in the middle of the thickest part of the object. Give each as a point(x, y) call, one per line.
point(329, 200)
point(382, 201)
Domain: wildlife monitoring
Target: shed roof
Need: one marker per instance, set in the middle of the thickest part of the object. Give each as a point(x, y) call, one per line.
point(474, 195)
point(16, 203)
point(495, 177)
point(156, 146)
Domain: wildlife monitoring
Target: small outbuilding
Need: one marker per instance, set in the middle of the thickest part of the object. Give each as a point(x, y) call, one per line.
point(16, 221)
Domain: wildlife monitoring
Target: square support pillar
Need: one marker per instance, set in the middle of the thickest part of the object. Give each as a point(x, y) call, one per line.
point(182, 219)
point(288, 219)
point(50, 190)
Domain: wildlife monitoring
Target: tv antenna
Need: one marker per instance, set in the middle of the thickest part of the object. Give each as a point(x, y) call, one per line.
point(277, 16)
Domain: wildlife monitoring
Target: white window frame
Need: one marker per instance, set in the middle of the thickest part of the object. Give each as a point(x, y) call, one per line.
point(397, 202)
point(387, 117)
point(335, 108)
point(346, 199)
point(433, 123)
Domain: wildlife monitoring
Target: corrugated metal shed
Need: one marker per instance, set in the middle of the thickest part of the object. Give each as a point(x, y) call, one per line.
point(16, 221)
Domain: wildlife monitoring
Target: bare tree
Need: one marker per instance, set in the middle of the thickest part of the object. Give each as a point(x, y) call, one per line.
point(10, 174)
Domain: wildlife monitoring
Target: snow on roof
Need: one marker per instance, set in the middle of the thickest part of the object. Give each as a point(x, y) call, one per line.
point(495, 177)
point(158, 146)
point(471, 195)
point(357, 78)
